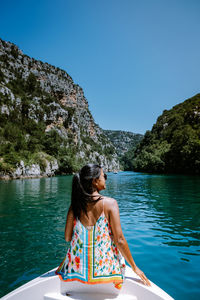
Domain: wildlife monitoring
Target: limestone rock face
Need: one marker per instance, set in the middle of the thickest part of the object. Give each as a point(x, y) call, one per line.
point(32, 171)
point(47, 97)
point(123, 140)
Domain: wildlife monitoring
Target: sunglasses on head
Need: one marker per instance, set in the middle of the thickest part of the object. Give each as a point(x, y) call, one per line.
point(105, 176)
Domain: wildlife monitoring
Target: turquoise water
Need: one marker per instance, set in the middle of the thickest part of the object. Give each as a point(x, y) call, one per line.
point(160, 216)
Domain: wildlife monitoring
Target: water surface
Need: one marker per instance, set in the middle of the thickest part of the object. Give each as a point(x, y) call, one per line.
point(160, 216)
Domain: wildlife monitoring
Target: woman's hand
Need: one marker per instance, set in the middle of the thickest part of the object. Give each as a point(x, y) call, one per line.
point(142, 276)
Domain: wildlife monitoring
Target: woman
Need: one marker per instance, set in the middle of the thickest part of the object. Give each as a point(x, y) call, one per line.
point(97, 245)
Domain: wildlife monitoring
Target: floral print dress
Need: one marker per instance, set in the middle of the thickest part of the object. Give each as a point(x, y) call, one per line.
point(93, 256)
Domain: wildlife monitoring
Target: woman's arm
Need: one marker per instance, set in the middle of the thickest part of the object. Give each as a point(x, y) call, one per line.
point(114, 217)
point(69, 225)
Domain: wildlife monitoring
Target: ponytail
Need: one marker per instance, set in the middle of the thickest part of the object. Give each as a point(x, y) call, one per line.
point(82, 188)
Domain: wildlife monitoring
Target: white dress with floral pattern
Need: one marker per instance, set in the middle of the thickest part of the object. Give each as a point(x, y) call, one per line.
point(93, 256)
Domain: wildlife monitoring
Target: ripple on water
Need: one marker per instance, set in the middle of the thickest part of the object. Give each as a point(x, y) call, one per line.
point(159, 216)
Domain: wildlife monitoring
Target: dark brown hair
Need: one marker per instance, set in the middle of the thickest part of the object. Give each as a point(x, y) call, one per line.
point(82, 188)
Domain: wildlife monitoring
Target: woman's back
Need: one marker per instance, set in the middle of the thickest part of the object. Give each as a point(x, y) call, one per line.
point(94, 211)
point(93, 256)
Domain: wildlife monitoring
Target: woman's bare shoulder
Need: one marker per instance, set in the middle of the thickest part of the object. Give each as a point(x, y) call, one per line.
point(110, 202)
point(70, 213)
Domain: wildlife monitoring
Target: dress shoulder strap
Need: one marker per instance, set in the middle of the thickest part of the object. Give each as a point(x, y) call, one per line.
point(103, 205)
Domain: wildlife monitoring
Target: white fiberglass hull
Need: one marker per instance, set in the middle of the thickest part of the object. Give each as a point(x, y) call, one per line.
point(49, 287)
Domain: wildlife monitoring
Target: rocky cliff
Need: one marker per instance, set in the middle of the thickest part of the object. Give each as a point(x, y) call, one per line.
point(46, 127)
point(123, 141)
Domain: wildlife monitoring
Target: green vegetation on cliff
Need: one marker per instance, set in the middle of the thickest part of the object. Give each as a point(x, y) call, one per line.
point(125, 143)
point(173, 144)
point(44, 117)
point(24, 138)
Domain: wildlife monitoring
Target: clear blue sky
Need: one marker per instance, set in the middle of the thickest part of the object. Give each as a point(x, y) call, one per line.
point(133, 58)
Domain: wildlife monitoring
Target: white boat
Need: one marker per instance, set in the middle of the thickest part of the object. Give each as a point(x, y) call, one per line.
point(49, 287)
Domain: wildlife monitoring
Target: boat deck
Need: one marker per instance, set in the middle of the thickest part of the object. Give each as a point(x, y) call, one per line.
point(49, 287)
point(88, 296)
